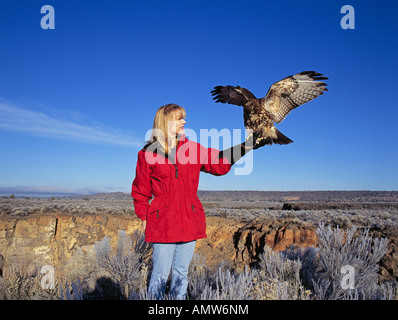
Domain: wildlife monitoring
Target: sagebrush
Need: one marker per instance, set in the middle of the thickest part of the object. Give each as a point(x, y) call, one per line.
point(294, 274)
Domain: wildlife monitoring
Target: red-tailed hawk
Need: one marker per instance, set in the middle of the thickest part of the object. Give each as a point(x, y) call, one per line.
point(282, 97)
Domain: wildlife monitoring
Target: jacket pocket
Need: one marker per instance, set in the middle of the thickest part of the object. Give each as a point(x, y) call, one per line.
point(198, 217)
point(197, 208)
point(160, 212)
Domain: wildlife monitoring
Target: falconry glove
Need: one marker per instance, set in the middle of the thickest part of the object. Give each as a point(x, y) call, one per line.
point(236, 152)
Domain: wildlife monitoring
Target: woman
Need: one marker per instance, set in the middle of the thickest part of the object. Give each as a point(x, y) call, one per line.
point(168, 169)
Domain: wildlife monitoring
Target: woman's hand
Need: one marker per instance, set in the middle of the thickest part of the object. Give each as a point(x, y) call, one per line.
point(143, 226)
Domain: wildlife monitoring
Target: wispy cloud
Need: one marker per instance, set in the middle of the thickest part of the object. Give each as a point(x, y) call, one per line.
point(16, 118)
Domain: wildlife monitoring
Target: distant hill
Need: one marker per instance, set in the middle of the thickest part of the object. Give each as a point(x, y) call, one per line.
point(278, 196)
point(104, 196)
point(302, 196)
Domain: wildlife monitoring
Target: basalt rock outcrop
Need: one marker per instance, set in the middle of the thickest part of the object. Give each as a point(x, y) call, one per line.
point(243, 243)
point(51, 239)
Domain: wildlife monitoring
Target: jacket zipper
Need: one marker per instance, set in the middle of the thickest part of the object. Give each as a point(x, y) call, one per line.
point(175, 166)
point(175, 160)
point(193, 209)
point(157, 213)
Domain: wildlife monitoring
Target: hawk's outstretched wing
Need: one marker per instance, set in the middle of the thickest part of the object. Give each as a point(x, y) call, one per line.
point(289, 93)
point(233, 95)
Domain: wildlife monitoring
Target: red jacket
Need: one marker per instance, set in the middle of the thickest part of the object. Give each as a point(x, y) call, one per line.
point(175, 213)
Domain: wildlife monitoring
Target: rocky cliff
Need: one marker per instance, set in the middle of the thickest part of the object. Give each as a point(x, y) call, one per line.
point(242, 243)
point(51, 239)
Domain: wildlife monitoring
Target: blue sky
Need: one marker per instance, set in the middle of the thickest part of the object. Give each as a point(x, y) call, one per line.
point(76, 101)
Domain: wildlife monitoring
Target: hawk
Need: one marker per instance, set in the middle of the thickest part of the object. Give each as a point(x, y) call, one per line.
point(282, 97)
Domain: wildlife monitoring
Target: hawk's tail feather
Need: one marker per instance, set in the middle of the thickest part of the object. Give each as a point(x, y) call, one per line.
point(281, 138)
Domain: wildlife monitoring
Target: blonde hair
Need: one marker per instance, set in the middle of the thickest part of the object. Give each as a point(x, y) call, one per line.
point(160, 131)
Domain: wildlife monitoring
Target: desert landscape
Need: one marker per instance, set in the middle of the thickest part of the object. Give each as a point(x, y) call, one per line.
point(276, 245)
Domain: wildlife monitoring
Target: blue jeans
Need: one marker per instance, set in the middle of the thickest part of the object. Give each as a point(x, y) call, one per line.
point(174, 256)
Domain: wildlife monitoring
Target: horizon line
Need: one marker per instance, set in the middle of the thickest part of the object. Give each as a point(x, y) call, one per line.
point(59, 191)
